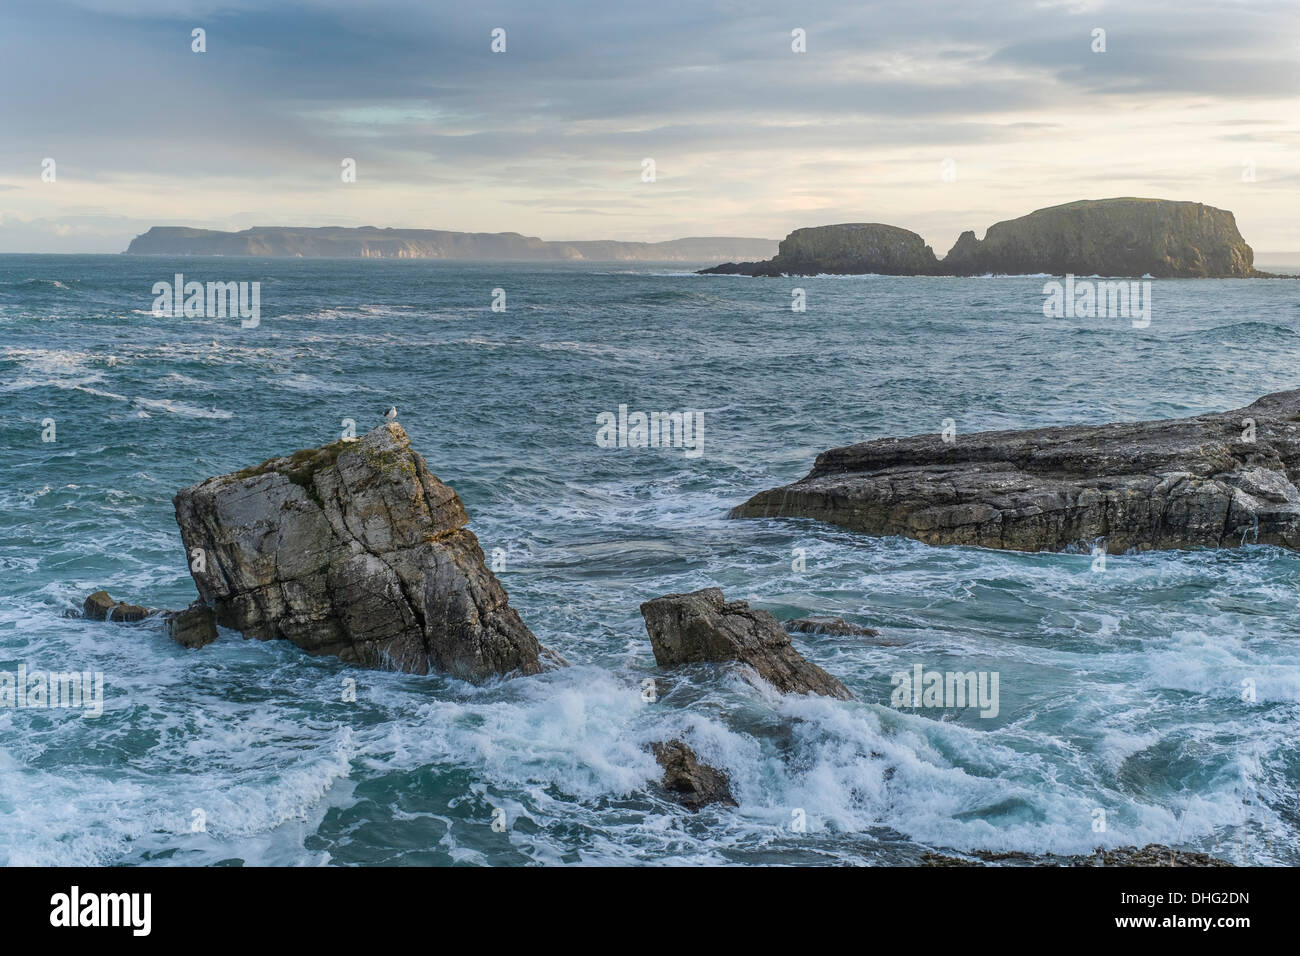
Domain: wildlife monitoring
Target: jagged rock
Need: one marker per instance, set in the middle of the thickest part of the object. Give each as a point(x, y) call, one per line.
point(689, 782)
point(1110, 237)
point(704, 626)
point(1153, 854)
point(835, 626)
point(194, 627)
point(100, 607)
point(1217, 480)
point(852, 248)
point(354, 549)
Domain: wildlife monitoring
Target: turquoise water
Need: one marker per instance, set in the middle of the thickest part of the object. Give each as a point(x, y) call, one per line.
point(1120, 690)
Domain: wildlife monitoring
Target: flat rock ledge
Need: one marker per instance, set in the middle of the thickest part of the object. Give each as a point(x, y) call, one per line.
point(354, 549)
point(692, 784)
point(703, 626)
point(1218, 480)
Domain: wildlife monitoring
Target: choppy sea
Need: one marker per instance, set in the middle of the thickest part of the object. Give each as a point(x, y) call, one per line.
point(1163, 692)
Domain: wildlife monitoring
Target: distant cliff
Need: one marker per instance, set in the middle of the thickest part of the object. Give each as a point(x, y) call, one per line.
point(370, 242)
point(1111, 237)
point(847, 249)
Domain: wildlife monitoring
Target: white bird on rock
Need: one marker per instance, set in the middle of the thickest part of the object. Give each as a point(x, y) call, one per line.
point(392, 414)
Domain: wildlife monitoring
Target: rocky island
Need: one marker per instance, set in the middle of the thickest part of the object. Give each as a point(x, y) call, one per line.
point(1110, 237)
point(853, 248)
point(1218, 480)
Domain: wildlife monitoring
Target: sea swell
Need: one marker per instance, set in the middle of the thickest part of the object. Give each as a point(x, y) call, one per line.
point(1121, 691)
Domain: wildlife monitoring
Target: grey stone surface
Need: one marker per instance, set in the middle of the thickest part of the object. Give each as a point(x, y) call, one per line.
point(355, 549)
point(703, 626)
point(1181, 483)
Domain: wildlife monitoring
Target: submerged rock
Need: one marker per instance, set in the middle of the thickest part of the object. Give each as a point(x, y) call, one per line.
point(194, 627)
point(101, 607)
point(1215, 480)
point(689, 782)
point(704, 626)
point(835, 626)
point(354, 549)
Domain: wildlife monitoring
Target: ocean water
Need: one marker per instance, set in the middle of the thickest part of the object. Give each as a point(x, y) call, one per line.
point(1120, 690)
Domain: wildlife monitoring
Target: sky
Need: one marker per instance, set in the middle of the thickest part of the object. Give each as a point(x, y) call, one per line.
point(932, 115)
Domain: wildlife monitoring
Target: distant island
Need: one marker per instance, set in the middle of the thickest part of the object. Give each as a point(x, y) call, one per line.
point(369, 242)
point(1109, 237)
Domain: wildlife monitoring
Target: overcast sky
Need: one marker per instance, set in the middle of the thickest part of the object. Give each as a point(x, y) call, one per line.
point(749, 138)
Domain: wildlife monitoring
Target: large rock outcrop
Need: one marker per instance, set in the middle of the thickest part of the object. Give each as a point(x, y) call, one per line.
point(1211, 481)
point(704, 626)
point(1110, 237)
point(852, 248)
point(354, 549)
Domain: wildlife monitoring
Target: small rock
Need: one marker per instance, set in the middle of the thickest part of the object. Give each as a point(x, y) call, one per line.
point(101, 607)
point(835, 626)
point(194, 627)
point(97, 606)
point(704, 626)
point(689, 782)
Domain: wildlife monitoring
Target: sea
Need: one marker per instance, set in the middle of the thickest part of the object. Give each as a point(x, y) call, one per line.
point(1154, 699)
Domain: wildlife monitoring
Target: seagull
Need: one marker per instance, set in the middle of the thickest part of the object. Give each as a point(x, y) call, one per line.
point(392, 414)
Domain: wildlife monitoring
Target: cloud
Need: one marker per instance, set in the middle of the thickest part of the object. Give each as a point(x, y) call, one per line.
point(749, 137)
